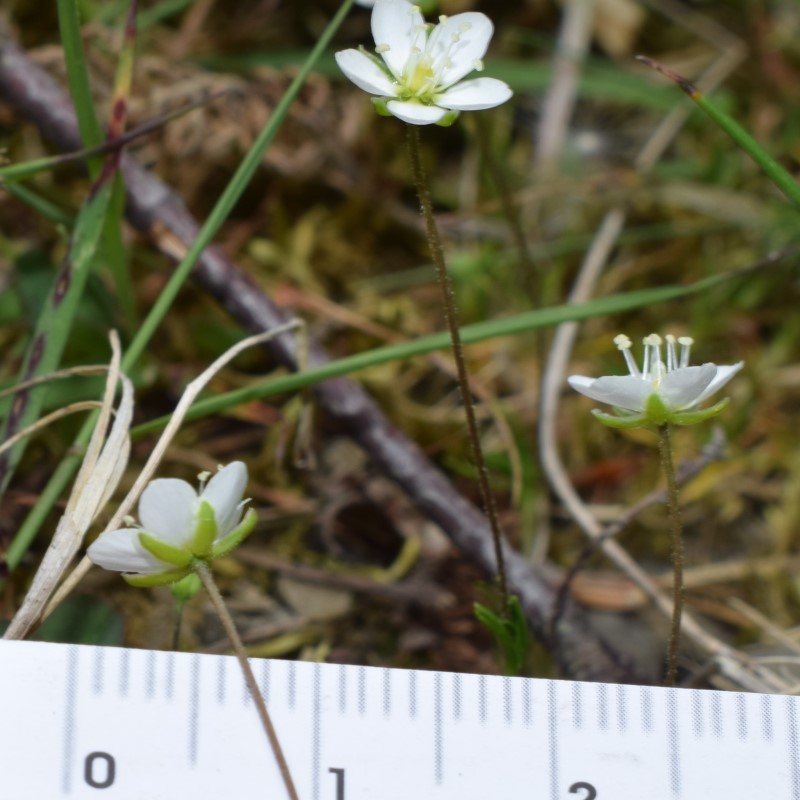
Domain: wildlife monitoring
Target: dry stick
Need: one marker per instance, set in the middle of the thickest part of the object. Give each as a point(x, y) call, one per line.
point(204, 573)
point(676, 534)
point(156, 209)
point(451, 318)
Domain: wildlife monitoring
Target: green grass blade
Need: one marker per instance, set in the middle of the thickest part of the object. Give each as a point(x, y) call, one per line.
point(55, 322)
point(772, 169)
point(78, 78)
point(230, 196)
point(470, 334)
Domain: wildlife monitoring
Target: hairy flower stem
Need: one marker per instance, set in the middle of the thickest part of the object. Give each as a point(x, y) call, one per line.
point(204, 573)
point(676, 532)
point(451, 318)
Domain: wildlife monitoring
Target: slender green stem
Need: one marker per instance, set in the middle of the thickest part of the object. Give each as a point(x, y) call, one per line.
point(676, 533)
point(204, 573)
point(451, 318)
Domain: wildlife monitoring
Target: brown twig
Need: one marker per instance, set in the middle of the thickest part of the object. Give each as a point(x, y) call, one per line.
point(155, 209)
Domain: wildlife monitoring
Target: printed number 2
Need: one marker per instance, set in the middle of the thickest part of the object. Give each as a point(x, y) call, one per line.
point(106, 776)
point(591, 792)
point(339, 773)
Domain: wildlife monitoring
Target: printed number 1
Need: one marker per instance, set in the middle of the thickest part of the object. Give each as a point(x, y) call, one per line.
point(591, 792)
point(339, 773)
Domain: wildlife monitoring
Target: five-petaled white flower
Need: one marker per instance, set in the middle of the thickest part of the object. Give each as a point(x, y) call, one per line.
point(418, 77)
point(178, 527)
point(659, 393)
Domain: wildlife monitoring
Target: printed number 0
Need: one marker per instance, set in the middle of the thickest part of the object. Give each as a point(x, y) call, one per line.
point(89, 770)
point(591, 792)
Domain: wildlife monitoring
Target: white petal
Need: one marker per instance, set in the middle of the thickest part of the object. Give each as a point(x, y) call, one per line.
point(224, 491)
point(398, 24)
point(365, 73)
point(166, 510)
point(474, 95)
point(121, 551)
point(365, 3)
point(724, 374)
point(415, 113)
point(682, 388)
point(474, 31)
point(621, 391)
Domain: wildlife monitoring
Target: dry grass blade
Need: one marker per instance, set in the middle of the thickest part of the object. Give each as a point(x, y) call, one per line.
point(74, 408)
point(103, 465)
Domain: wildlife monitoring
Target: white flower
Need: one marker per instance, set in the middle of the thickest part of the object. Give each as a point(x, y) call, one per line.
point(659, 393)
point(418, 77)
point(178, 526)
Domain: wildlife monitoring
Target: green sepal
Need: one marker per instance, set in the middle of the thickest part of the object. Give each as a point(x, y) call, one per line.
point(175, 556)
point(510, 633)
point(448, 119)
point(381, 106)
point(186, 588)
point(613, 421)
point(693, 417)
point(656, 411)
point(205, 530)
point(236, 536)
point(157, 579)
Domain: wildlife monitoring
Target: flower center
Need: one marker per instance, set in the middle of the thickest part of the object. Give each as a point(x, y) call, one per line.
point(653, 368)
point(424, 74)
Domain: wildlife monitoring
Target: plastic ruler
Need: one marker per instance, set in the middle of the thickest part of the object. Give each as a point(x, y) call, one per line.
point(107, 723)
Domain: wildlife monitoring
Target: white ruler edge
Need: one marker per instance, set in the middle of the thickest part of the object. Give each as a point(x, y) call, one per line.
point(115, 723)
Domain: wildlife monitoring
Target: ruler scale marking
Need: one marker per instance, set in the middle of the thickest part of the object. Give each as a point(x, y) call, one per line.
point(265, 681)
point(552, 723)
point(741, 716)
point(647, 709)
point(362, 690)
point(124, 673)
point(766, 718)
point(342, 689)
point(622, 709)
point(194, 710)
point(316, 733)
point(602, 706)
point(632, 742)
point(673, 743)
point(697, 714)
point(220, 693)
point(438, 732)
point(457, 697)
point(794, 747)
point(150, 674)
point(69, 719)
point(97, 671)
point(577, 706)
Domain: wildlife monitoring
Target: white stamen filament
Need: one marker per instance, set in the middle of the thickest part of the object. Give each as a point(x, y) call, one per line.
point(686, 343)
point(623, 344)
point(672, 361)
point(652, 355)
